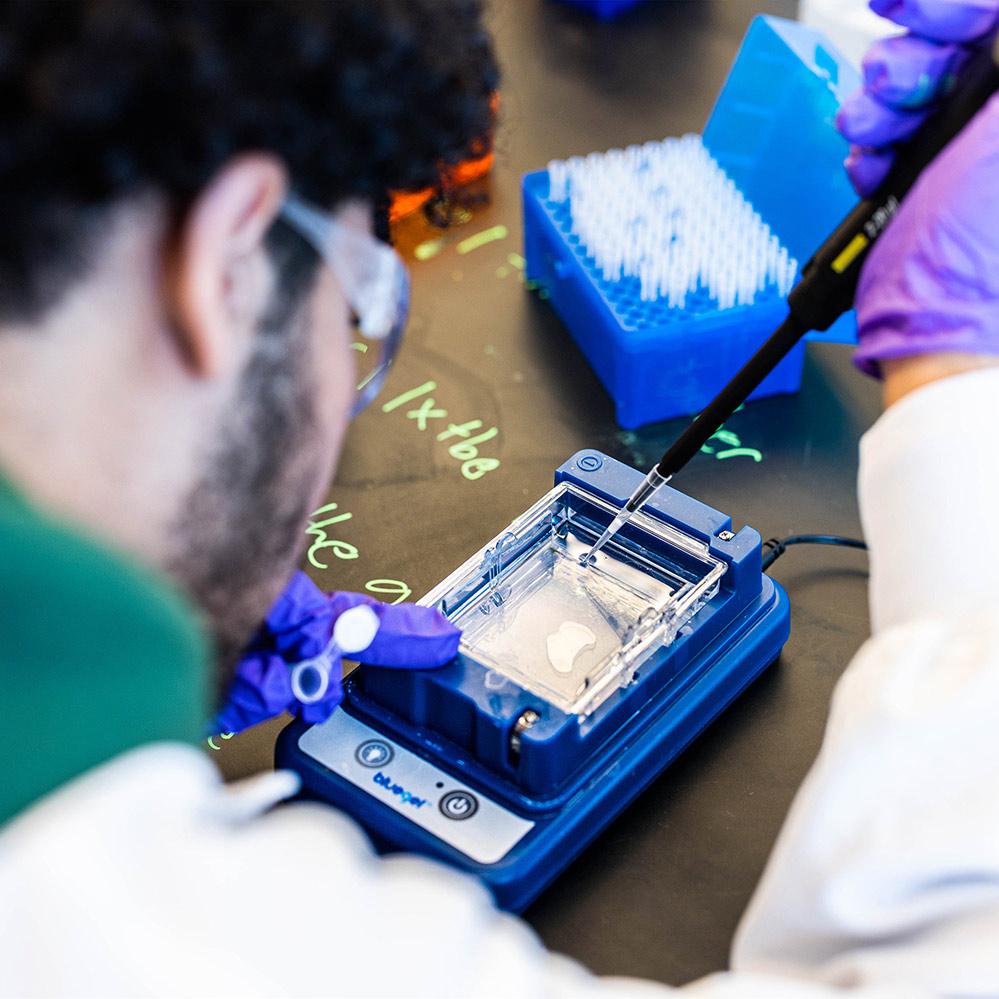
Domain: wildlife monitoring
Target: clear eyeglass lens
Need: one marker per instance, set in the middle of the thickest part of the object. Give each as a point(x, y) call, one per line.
point(374, 280)
point(369, 358)
point(373, 357)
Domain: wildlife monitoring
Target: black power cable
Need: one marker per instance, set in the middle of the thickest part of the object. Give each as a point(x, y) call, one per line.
point(775, 547)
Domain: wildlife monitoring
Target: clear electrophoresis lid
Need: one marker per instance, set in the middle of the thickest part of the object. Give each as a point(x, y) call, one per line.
point(531, 611)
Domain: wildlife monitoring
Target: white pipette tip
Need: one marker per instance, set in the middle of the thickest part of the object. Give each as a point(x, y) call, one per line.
point(666, 215)
point(588, 558)
point(648, 486)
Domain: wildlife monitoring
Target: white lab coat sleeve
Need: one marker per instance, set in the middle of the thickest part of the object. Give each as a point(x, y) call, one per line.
point(887, 870)
point(147, 878)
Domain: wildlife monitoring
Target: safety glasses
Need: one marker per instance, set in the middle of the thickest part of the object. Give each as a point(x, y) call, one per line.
point(374, 281)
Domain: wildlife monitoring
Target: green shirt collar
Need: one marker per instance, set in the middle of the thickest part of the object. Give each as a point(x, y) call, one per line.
point(97, 655)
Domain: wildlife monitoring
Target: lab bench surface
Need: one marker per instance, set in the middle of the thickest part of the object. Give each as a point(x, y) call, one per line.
point(659, 894)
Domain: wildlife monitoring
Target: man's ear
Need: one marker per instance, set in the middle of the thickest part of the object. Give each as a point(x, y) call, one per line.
point(217, 283)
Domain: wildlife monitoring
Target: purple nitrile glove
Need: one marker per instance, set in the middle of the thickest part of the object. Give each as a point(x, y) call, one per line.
point(903, 75)
point(295, 661)
point(931, 281)
point(299, 623)
point(260, 689)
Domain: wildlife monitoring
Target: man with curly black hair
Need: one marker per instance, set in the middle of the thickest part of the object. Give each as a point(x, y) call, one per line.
point(186, 193)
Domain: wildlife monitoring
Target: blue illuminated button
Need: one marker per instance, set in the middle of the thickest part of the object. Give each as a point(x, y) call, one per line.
point(459, 805)
point(373, 753)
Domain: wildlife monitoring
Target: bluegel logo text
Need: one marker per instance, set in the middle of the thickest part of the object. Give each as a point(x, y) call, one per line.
point(383, 780)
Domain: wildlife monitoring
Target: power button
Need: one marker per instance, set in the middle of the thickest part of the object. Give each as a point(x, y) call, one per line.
point(459, 805)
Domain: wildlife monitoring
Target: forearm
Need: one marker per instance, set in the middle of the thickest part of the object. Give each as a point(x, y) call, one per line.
point(906, 374)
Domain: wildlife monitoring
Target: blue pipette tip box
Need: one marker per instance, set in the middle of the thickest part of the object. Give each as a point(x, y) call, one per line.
point(772, 132)
point(602, 10)
point(573, 688)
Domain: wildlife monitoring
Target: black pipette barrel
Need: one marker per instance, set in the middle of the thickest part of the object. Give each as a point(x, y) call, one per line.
point(731, 397)
point(829, 280)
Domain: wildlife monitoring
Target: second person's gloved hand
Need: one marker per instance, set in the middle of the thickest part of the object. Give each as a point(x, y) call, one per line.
point(904, 75)
point(294, 663)
point(931, 281)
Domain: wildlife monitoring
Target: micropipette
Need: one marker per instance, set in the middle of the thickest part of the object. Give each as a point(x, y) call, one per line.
point(829, 280)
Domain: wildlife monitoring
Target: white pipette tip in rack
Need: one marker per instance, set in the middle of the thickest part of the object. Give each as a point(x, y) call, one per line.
point(666, 214)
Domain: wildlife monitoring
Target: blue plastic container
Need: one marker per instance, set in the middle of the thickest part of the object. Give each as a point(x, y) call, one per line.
point(470, 766)
point(772, 130)
point(603, 10)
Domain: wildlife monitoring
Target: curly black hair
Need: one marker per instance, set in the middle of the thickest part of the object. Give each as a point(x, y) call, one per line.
point(102, 99)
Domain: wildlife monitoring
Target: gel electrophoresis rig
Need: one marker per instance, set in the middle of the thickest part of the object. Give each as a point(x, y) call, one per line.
point(574, 687)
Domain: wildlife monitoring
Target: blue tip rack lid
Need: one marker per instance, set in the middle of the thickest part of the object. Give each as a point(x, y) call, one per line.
point(773, 131)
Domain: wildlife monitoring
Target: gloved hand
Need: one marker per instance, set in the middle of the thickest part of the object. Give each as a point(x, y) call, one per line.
point(903, 75)
point(931, 282)
point(294, 663)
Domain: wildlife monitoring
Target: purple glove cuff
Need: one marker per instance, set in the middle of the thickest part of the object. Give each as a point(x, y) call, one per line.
point(920, 305)
point(892, 346)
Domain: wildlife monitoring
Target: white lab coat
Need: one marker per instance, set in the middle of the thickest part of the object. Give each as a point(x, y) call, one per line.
point(147, 876)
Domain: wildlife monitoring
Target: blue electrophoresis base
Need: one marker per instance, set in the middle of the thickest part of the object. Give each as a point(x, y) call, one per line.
point(421, 759)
